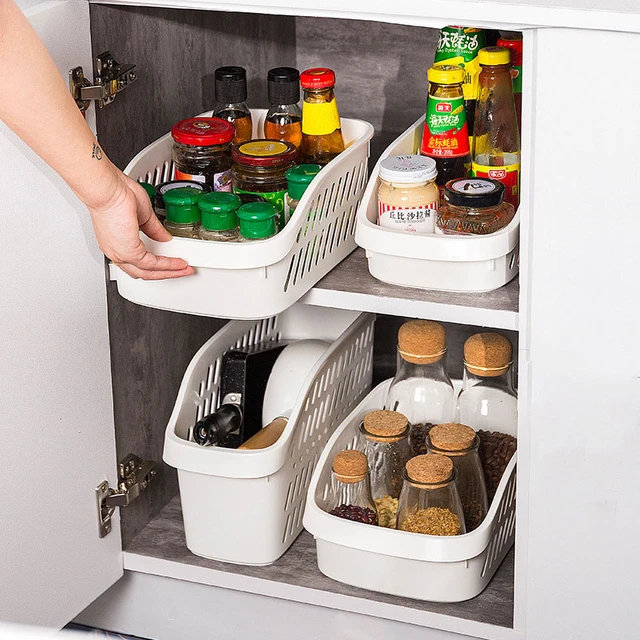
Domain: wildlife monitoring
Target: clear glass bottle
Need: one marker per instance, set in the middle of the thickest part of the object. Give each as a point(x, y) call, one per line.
point(284, 117)
point(460, 443)
point(429, 501)
point(183, 214)
point(231, 96)
point(258, 221)
point(298, 179)
point(219, 217)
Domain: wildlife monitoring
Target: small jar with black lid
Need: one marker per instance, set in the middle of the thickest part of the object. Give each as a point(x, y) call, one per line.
point(219, 217)
point(473, 206)
point(202, 151)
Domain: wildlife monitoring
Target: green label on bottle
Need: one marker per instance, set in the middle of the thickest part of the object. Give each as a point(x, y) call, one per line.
point(459, 42)
point(516, 79)
point(445, 132)
point(276, 198)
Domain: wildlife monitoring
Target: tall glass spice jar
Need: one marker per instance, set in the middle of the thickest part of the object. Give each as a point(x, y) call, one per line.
point(231, 95)
point(202, 151)
point(460, 443)
point(350, 496)
point(284, 117)
point(321, 129)
point(258, 221)
point(183, 214)
point(429, 502)
point(219, 217)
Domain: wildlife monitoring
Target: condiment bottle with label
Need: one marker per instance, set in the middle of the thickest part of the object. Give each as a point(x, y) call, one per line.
point(231, 96)
point(258, 221)
point(284, 118)
point(321, 129)
point(488, 399)
point(496, 142)
point(408, 197)
point(446, 136)
point(219, 217)
point(513, 42)
point(460, 443)
point(298, 179)
point(183, 213)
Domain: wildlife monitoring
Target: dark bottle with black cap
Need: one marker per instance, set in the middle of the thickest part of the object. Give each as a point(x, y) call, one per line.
point(284, 118)
point(231, 96)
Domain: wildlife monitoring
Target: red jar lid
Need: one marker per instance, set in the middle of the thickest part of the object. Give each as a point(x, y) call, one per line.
point(203, 132)
point(318, 78)
point(264, 153)
point(514, 44)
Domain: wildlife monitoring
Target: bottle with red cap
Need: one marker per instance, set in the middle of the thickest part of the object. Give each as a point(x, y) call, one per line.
point(321, 131)
point(513, 42)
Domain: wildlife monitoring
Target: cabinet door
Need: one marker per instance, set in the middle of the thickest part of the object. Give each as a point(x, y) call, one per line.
point(56, 415)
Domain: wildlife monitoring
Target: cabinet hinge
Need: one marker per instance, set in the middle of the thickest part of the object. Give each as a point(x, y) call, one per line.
point(134, 476)
point(110, 78)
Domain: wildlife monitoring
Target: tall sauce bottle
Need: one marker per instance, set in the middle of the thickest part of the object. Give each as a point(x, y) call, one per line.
point(513, 42)
point(284, 118)
point(496, 142)
point(231, 95)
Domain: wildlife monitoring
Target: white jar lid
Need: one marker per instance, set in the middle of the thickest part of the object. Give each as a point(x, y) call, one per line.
point(407, 169)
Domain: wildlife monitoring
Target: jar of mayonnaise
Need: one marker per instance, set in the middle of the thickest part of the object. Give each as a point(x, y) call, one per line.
point(408, 196)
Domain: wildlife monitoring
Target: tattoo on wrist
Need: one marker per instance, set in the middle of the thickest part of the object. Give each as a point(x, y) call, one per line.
point(96, 152)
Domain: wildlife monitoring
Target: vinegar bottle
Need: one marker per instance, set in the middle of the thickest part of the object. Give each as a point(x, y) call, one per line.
point(284, 118)
point(231, 94)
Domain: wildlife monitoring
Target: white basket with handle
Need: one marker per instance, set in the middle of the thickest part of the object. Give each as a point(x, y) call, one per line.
point(435, 568)
point(243, 506)
point(261, 278)
point(433, 261)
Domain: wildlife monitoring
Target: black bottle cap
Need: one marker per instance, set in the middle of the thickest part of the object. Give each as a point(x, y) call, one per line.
point(474, 192)
point(283, 85)
point(231, 85)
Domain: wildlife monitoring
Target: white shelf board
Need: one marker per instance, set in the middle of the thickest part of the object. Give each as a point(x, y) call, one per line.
point(351, 286)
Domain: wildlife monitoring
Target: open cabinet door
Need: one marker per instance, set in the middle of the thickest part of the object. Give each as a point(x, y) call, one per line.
point(56, 416)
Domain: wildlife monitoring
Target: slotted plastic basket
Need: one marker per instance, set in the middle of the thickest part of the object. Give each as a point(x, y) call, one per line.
point(246, 506)
point(435, 568)
point(263, 278)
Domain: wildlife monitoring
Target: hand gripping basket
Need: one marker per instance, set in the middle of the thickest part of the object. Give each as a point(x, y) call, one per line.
point(246, 506)
point(433, 261)
point(263, 278)
point(435, 568)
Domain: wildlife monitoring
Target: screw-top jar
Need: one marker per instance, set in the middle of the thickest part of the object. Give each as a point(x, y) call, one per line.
point(408, 197)
point(257, 221)
point(231, 94)
point(429, 502)
point(202, 151)
point(460, 443)
point(298, 179)
point(183, 213)
point(284, 118)
point(473, 206)
point(175, 184)
point(219, 217)
point(350, 488)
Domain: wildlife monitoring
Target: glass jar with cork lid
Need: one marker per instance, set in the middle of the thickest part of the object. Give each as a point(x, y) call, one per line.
point(429, 501)
point(460, 443)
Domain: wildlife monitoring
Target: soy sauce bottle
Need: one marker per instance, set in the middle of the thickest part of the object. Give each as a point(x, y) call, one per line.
point(231, 96)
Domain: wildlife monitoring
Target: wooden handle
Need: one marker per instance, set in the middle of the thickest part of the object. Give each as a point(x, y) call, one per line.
point(266, 436)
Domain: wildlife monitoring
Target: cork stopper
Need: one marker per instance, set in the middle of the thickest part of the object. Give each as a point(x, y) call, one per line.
point(452, 436)
point(488, 354)
point(422, 341)
point(429, 468)
point(350, 466)
point(385, 425)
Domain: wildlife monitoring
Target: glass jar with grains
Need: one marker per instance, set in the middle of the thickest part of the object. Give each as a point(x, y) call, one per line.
point(429, 501)
point(183, 213)
point(219, 217)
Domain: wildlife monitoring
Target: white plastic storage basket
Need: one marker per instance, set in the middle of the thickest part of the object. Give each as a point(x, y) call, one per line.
point(433, 261)
point(439, 569)
point(263, 278)
point(246, 506)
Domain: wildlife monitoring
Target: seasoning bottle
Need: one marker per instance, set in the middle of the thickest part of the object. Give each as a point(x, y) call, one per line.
point(257, 221)
point(284, 117)
point(183, 214)
point(321, 129)
point(429, 502)
point(513, 42)
point(351, 489)
point(219, 217)
point(446, 136)
point(408, 197)
point(385, 442)
point(298, 179)
point(231, 95)
point(161, 189)
point(460, 46)
point(460, 443)
point(202, 151)
point(496, 142)
point(473, 206)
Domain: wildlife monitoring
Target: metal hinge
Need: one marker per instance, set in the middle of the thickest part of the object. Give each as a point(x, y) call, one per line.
point(134, 476)
point(111, 77)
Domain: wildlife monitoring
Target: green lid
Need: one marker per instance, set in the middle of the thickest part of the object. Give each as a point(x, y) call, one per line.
point(150, 189)
point(218, 210)
point(181, 205)
point(258, 220)
point(299, 178)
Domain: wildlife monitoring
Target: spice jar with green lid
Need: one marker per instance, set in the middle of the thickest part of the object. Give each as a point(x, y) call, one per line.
point(150, 189)
point(219, 217)
point(257, 221)
point(298, 179)
point(182, 211)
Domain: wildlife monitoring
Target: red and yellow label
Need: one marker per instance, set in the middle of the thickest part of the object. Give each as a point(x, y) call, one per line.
point(445, 129)
point(509, 175)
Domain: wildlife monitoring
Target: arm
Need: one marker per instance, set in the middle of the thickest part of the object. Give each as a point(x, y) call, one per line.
point(56, 130)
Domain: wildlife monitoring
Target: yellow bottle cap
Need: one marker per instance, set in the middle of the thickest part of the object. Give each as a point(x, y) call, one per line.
point(493, 56)
point(446, 74)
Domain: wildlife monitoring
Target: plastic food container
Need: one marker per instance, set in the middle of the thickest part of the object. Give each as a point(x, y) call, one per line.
point(246, 507)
